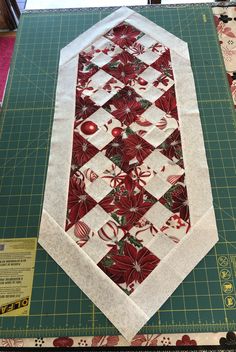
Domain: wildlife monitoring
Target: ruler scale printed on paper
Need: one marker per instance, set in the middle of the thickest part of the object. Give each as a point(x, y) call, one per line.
point(139, 200)
point(206, 299)
point(17, 258)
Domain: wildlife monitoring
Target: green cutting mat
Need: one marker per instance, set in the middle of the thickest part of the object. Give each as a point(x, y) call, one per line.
point(206, 301)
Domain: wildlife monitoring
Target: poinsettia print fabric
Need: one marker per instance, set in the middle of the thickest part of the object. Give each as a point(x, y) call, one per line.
point(225, 20)
point(127, 183)
point(128, 264)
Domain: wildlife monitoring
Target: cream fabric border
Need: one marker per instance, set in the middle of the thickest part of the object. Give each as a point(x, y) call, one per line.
point(59, 164)
point(128, 313)
point(196, 169)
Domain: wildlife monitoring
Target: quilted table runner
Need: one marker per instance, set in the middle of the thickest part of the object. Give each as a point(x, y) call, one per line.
point(128, 207)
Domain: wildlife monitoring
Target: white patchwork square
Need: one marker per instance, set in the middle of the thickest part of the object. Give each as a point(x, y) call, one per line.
point(98, 163)
point(150, 74)
point(159, 49)
point(115, 86)
point(135, 127)
point(153, 114)
point(86, 92)
point(100, 117)
point(96, 218)
point(171, 172)
point(89, 49)
point(155, 136)
point(95, 248)
point(101, 96)
point(171, 125)
point(114, 50)
point(88, 175)
point(158, 214)
point(143, 234)
point(165, 87)
point(98, 189)
point(160, 245)
point(176, 228)
point(148, 57)
point(109, 175)
point(156, 160)
point(100, 243)
point(99, 79)
point(157, 187)
point(104, 43)
point(146, 41)
point(139, 88)
point(101, 138)
point(152, 94)
point(101, 59)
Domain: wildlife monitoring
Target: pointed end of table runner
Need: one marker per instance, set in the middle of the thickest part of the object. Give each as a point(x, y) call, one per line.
point(81, 42)
point(127, 317)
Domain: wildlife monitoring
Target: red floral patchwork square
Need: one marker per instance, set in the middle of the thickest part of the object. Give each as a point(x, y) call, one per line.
point(84, 107)
point(167, 103)
point(163, 64)
point(127, 203)
point(128, 150)
point(83, 151)
point(85, 65)
point(124, 35)
point(125, 67)
point(172, 148)
point(128, 264)
point(79, 202)
point(127, 106)
point(86, 69)
point(176, 200)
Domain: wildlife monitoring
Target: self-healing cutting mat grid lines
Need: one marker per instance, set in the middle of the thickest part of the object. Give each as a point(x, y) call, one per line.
point(206, 299)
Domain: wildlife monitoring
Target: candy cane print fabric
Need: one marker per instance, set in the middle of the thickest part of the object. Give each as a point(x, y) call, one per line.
point(128, 199)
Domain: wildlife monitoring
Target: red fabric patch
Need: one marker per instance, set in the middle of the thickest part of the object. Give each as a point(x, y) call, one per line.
point(6, 50)
point(127, 264)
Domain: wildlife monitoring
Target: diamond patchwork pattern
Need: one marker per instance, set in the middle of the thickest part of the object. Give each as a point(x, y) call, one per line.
point(127, 185)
